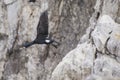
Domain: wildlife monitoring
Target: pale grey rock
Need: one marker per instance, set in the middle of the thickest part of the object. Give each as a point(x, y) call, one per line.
point(104, 67)
point(110, 7)
point(106, 35)
point(97, 50)
point(77, 64)
point(102, 31)
point(105, 70)
point(96, 77)
point(12, 20)
point(9, 1)
point(103, 35)
point(78, 61)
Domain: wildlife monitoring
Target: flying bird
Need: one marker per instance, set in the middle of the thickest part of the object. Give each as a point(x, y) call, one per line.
point(42, 33)
point(32, 0)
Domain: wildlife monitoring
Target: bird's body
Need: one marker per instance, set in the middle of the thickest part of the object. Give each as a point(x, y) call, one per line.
point(42, 32)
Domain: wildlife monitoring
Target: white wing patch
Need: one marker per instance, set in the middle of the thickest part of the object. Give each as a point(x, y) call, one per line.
point(47, 41)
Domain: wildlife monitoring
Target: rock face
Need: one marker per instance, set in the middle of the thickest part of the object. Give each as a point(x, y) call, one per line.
point(93, 55)
point(97, 55)
point(95, 59)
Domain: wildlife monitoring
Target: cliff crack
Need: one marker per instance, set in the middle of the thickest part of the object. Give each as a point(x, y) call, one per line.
point(107, 51)
point(15, 47)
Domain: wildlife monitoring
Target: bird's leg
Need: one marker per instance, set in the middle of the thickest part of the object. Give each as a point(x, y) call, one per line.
point(54, 45)
point(57, 42)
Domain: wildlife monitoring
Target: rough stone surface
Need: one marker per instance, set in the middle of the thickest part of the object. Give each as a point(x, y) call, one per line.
point(94, 55)
point(77, 64)
point(103, 34)
point(95, 58)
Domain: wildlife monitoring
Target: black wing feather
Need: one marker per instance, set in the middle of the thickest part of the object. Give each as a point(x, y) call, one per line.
point(42, 28)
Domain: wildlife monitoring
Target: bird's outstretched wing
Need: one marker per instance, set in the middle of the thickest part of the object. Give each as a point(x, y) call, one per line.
point(42, 28)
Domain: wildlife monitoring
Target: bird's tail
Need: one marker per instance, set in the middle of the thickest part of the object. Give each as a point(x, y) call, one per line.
point(28, 44)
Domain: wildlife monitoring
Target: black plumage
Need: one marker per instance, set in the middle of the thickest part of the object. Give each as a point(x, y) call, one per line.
point(42, 28)
point(32, 0)
point(42, 32)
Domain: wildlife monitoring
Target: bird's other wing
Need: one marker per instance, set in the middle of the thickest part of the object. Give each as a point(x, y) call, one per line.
point(42, 28)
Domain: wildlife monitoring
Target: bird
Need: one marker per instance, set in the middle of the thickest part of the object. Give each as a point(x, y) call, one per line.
point(42, 33)
point(32, 0)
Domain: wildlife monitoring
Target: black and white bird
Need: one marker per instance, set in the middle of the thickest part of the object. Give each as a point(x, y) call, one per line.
point(42, 32)
point(32, 0)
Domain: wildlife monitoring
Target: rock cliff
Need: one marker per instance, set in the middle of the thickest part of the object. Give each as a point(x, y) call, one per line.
point(88, 31)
